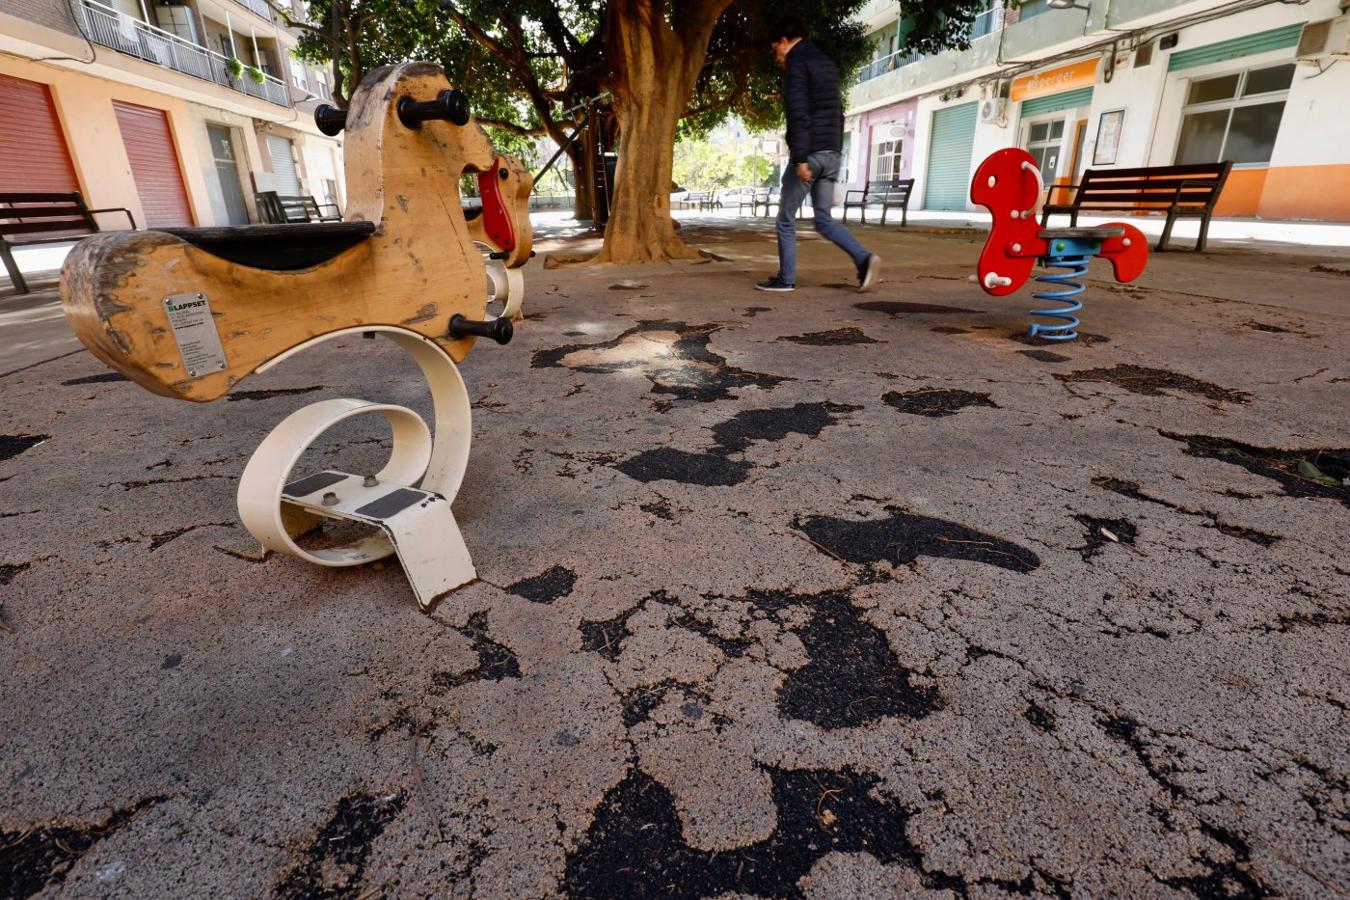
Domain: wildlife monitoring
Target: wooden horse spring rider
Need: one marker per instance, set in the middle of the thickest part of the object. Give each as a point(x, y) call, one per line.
point(190, 312)
point(1009, 184)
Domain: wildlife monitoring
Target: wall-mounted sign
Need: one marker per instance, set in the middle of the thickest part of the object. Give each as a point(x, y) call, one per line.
point(1052, 81)
point(1108, 137)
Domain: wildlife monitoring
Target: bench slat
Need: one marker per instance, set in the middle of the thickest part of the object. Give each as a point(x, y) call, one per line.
point(1151, 185)
point(1214, 170)
point(41, 197)
point(42, 212)
point(1145, 197)
point(42, 227)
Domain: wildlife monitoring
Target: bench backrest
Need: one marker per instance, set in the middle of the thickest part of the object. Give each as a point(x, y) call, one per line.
point(891, 186)
point(1152, 187)
point(278, 209)
point(43, 217)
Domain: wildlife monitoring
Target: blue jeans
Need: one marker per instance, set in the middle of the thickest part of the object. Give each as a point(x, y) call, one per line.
point(825, 166)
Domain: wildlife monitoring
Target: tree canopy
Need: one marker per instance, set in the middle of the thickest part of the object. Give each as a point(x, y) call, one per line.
point(666, 67)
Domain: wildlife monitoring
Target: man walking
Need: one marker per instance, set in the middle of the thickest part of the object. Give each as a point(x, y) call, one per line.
point(815, 135)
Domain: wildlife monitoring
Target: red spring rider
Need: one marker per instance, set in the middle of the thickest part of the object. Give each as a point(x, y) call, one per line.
point(1009, 184)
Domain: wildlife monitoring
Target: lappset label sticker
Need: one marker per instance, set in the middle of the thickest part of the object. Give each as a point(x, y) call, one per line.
point(194, 329)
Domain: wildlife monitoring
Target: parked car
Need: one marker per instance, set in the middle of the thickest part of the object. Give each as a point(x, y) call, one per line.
point(679, 195)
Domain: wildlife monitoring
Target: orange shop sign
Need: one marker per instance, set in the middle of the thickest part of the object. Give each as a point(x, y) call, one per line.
point(1052, 81)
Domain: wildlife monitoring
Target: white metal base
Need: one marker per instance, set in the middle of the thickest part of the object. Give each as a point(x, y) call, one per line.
point(408, 500)
point(507, 287)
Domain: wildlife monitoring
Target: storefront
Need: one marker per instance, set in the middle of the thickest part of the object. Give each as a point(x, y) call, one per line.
point(1053, 113)
point(888, 133)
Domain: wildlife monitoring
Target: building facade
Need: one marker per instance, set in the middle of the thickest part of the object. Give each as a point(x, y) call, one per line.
point(1119, 84)
point(179, 110)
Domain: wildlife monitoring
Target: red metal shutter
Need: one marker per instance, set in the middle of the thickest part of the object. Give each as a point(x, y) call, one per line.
point(154, 165)
point(33, 154)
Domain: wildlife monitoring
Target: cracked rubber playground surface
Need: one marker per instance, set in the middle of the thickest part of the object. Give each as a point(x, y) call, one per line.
point(805, 595)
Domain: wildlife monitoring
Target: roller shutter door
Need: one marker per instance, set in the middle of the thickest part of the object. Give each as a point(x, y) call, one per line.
point(284, 176)
point(948, 183)
point(33, 153)
point(154, 165)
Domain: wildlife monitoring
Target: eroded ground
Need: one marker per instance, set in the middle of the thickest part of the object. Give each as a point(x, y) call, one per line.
point(785, 595)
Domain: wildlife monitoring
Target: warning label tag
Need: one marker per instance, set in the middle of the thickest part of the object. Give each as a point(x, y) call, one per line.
point(195, 331)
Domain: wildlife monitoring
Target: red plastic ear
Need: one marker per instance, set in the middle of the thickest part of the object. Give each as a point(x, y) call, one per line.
point(1128, 253)
point(496, 217)
point(1008, 184)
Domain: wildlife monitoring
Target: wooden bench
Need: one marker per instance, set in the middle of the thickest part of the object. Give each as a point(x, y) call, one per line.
point(1180, 190)
point(770, 197)
point(54, 218)
point(893, 192)
point(754, 201)
point(277, 209)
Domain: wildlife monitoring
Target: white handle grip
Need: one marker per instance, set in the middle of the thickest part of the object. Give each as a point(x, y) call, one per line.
point(1040, 187)
point(993, 280)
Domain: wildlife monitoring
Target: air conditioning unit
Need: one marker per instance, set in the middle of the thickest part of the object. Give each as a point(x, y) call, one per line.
point(1327, 39)
point(994, 111)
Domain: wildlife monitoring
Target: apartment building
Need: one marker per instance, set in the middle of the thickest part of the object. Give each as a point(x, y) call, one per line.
point(1118, 84)
point(179, 110)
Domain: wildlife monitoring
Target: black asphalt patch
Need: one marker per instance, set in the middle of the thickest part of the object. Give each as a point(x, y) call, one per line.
point(668, 464)
point(34, 859)
point(1123, 532)
point(837, 337)
point(746, 427)
point(333, 864)
point(1283, 466)
point(903, 537)
point(936, 403)
point(11, 445)
point(495, 661)
point(635, 846)
point(545, 587)
point(1044, 356)
point(274, 392)
point(854, 677)
point(1153, 382)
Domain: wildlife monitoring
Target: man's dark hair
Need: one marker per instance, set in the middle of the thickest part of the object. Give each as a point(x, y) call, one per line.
point(789, 27)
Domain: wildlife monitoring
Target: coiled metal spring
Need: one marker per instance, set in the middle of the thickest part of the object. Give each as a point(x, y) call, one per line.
point(1077, 266)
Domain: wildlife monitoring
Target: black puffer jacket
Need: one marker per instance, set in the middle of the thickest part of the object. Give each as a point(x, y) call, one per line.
point(812, 101)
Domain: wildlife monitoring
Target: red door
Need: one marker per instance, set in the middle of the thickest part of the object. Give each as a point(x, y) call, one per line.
point(154, 165)
point(33, 154)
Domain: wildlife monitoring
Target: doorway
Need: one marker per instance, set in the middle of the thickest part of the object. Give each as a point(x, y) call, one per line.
point(227, 173)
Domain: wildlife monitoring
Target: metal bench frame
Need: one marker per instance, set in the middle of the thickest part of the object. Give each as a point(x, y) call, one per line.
point(1191, 190)
point(45, 213)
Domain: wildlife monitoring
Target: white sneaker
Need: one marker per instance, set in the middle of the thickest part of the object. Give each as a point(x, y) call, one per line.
point(868, 272)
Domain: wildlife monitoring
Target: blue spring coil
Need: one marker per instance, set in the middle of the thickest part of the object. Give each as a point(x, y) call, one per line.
point(1061, 331)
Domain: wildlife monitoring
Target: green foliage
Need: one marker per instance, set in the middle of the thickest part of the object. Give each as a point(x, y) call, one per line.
point(703, 165)
point(234, 67)
point(934, 27)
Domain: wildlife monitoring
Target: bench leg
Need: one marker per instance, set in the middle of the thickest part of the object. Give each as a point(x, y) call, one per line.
point(1204, 234)
point(884, 207)
point(1045, 215)
point(15, 276)
point(1167, 231)
point(904, 214)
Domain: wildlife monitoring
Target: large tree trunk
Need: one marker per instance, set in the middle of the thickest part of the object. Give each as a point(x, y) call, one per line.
point(654, 68)
point(581, 172)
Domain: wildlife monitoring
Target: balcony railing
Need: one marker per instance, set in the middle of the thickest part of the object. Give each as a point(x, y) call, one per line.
point(260, 7)
point(111, 28)
point(987, 22)
point(896, 60)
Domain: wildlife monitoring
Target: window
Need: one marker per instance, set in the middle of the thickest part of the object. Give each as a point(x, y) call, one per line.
point(1043, 143)
point(321, 84)
point(1234, 117)
point(298, 75)
point(886, 160)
